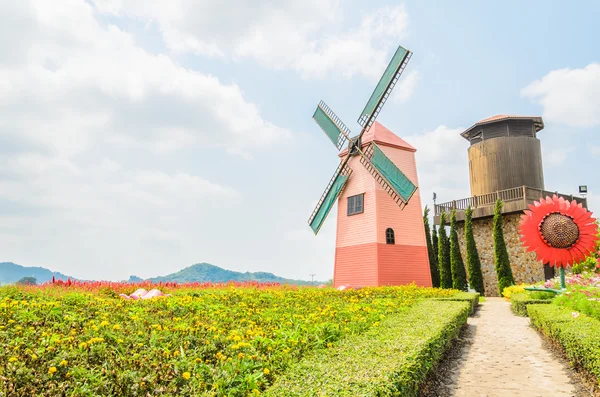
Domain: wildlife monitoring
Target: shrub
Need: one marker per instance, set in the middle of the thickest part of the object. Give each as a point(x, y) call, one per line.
point(392, 360)
point(28, 280)
point(433, 266)
point(444, 254)
point(459, 276)
point(579, 335)
point(581, 300)
point(470, 297)
point(501, 260)
point(473, 262)
point(520, 301)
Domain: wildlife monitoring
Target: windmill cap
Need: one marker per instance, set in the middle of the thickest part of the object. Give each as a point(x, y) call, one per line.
point(381, 135)
point(537, 122)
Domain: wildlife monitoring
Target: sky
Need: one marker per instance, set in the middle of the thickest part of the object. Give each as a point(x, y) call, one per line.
point(138, 137)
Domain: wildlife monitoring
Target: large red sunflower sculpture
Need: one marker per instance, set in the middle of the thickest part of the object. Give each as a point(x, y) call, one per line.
point(559, 231)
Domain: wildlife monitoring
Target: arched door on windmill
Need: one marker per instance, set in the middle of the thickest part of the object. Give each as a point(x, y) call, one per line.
point(389, 236)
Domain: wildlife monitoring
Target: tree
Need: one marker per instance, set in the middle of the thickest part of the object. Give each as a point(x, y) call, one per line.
point(435, 273)
point(434, 243)
point(473, 262)
point(457, 266)
point(501, 259)
point(444, 254)
point(27, 280)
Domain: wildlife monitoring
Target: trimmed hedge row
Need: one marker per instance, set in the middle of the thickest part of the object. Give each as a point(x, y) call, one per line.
point(390, 360)
point(471, 297)
point(520, 301)
point(579, 336)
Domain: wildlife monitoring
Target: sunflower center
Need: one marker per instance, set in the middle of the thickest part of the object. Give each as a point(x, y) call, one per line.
point(559, 231)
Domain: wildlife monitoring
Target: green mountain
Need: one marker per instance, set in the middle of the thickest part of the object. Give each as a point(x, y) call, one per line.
point(11, 272)
point(205, 272)
point(200, 272)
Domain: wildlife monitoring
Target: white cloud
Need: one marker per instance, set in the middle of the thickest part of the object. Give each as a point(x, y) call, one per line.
point(87, 119)
point(103, 221)
point(569, 96)
point(109, 152)
point(557, 156)
point(595, 150)
point(406, 86)
point(442, 164)
point(303, 36)
point(81, 83)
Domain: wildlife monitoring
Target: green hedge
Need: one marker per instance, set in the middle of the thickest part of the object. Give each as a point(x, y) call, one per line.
point(519, 303)
point(390, 360)
point(471, 297)
point(580, 337)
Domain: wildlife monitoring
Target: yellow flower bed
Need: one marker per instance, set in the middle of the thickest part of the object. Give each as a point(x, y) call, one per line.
point(228, 341)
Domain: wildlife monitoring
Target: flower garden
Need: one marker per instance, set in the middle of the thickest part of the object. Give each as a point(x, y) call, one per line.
point(85, 339)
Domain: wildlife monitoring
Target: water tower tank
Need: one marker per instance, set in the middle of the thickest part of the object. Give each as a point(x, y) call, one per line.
point(505, 153)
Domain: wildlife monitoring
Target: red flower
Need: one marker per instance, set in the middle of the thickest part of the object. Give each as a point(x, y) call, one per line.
point(560, 232)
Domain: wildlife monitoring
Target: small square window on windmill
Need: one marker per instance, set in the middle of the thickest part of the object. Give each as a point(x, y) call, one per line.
point(380, 167)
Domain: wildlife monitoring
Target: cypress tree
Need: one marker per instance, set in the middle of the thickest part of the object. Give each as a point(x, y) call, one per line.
point(473, 262)
point(444, 254)
point(501, 259)
point(435, 273)
point(434, 242)
point(459, 276)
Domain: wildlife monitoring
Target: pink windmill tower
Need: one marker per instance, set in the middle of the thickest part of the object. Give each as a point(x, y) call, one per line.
point(380, 231)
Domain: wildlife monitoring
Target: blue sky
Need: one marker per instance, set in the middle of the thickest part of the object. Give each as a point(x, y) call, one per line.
point(141, 137)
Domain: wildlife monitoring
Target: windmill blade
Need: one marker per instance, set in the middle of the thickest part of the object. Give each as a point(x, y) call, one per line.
point(331, 125)
point(332, 192)
point(385, 172)
point(384, 88)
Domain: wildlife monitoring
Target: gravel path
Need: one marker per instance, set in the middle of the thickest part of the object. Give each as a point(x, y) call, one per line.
point(501, 356)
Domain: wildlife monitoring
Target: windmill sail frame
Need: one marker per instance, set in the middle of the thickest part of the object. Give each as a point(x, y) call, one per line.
point(384, 88)
point(331, 125)
point(391, 178)
point(334, 188)
point(393, 181)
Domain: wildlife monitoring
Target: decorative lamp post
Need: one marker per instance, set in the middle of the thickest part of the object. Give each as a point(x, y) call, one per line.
point(560, 232)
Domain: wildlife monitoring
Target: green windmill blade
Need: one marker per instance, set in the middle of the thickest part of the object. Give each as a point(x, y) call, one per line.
point(385, 172)
point(330, 195)
point(331, 125)
point(398, 186)
point(384, 88)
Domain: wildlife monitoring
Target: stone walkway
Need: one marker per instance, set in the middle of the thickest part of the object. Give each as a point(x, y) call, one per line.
point(505, 357)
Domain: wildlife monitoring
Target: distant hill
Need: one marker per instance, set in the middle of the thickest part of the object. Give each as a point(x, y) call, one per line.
point(11, 272)
point(205, 272)
point(200, 272)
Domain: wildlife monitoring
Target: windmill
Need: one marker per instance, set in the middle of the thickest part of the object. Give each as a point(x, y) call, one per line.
point(382, 169)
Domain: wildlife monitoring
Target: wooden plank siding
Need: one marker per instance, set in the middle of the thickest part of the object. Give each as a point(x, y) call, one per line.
point(362, 256)
point(356, 265)
point(504, 163)
point(512, 128)
point(403, 264)
point(358, 228)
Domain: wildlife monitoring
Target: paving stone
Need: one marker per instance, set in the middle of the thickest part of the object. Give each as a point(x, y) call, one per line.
point(506, 357)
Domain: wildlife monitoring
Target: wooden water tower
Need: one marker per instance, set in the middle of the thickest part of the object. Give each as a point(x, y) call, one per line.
point(505, 162)
point(505, 153)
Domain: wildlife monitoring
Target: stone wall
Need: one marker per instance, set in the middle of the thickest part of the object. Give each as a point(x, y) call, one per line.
point(525, 267)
